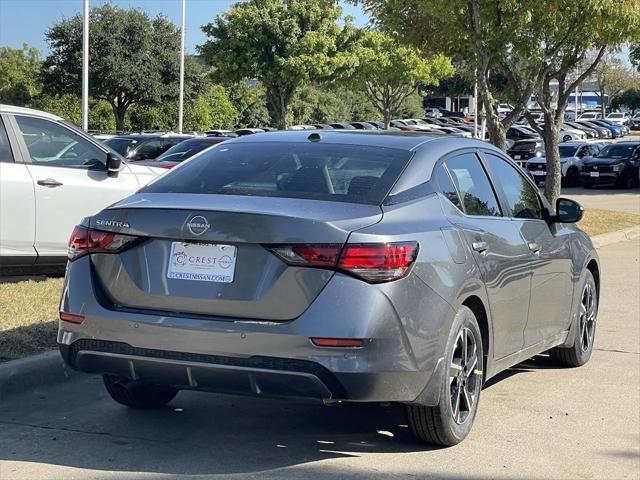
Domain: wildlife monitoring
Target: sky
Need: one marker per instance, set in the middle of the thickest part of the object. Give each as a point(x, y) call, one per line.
point(26, 21)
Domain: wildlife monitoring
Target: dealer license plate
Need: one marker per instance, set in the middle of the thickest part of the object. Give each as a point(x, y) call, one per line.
point(202, 262)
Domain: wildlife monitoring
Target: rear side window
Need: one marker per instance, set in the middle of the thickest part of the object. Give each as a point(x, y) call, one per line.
point(343, 173)
point(445, 186)
point(5, 148)
point(521, 197)
point(478, 197)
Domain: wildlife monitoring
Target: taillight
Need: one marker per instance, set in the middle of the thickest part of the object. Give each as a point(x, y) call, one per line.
point(371, 262)
point(376, 263)
point(309, 255)
point(85, 240)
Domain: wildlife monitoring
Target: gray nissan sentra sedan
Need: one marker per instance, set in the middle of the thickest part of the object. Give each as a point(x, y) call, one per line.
point(338, 266)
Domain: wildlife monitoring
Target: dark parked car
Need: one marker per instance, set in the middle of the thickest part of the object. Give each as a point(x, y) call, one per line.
point(363, 126)
point(615, 164)
point(184, 150)
point(518, 132)
point(336, 266)
point(342, 126)
point(144, 146)
point(523, 150)
point(634, 123)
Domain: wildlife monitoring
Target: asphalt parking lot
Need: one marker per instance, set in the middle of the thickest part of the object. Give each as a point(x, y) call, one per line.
point(535, 421)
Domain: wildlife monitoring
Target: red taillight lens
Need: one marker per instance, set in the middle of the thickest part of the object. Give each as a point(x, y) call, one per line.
point(376, 263)
point(84, 240)
point(309, 255)
point(371, 262)
point(71, 317)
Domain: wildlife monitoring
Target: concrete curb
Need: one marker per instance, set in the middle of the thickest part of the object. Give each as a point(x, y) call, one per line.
point(48, 368)
point(29, 373)
point(605, 239)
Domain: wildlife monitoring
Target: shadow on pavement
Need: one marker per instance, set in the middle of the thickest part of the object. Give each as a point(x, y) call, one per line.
point(78, 425)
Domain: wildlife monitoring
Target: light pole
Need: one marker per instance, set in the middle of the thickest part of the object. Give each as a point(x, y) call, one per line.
point(85, 65)
point(181, 95)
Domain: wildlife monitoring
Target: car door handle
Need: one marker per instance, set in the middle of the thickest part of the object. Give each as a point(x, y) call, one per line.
point(480, 246)
point(49, 182)
point(534, 247)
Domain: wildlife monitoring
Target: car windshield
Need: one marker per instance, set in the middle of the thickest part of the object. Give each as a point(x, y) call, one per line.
point(617, 151)
point(184, 150)
point(568, 150)
point(121, 145)
point(344, 173)
point(616, 115)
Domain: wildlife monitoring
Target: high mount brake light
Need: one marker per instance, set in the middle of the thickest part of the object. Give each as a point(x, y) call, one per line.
point(85, 240)
point(371, 262)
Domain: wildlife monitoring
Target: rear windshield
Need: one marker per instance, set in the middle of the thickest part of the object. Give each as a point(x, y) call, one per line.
point(342, 173)
point(121, 145)
point(184, 150)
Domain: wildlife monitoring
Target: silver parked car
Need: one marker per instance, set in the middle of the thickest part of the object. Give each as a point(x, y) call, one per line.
point(340, 266)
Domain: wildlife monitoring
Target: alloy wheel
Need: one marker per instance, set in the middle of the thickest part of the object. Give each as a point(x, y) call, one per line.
point(464, 382)
point(587, 317)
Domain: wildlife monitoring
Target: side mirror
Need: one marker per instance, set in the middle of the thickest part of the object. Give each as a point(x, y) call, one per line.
point(113, 165)
point(568, 211)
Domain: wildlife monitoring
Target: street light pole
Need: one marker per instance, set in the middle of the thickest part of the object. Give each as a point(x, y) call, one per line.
point(85, 65)
point(181, 95)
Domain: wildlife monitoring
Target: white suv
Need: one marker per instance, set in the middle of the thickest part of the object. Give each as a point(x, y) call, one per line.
point(52, 175)
point(619, 118)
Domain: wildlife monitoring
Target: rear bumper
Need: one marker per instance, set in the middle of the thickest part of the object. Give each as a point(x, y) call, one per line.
point(268, 358)
point(255, 375)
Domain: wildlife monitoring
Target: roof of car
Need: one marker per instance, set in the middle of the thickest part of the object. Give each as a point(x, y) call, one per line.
point(378, 138)
point(28, 111)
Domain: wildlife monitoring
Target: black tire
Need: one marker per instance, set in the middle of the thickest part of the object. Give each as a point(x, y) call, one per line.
point(573, 177)
point(441, 424)
point(579, 353)
point(566, 138)
point(137, 394)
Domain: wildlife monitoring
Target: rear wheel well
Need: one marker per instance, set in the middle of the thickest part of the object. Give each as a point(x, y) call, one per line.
point(592, 266)
point(474, 304)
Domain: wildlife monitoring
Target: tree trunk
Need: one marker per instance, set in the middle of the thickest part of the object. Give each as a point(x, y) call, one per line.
point(550, 136)
point(497, 132)
point(278, 106)
point(603, 110)
point(119, 112)
point(386, 114)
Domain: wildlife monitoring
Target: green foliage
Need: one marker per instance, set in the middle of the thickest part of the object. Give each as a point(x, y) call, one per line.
point(281, 43)
point(629, 99)
point(19, 80)
point(134, 59)
point(634, 56)
point(412, 107)
point(389, 72)
point(69, 107)
point(250, 103)
point(212, 110)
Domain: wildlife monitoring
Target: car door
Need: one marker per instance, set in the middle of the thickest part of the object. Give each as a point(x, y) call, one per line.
point(498, 248)
point(17, 205)
point(70, 180)
point(549, 251)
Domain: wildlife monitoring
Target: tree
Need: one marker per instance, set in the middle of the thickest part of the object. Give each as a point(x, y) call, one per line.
point(212, 110)
point(389, 72)
point(612, 77)
point(281, 43)
point(562, 34)
point(535, 45)
point(19, 81)
point(250, 103)
point(629, 98)
point(476, 33)
point(134, 59)
point(634, 56)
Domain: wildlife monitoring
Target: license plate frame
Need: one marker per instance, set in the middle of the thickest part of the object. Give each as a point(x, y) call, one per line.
point(202, 262)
